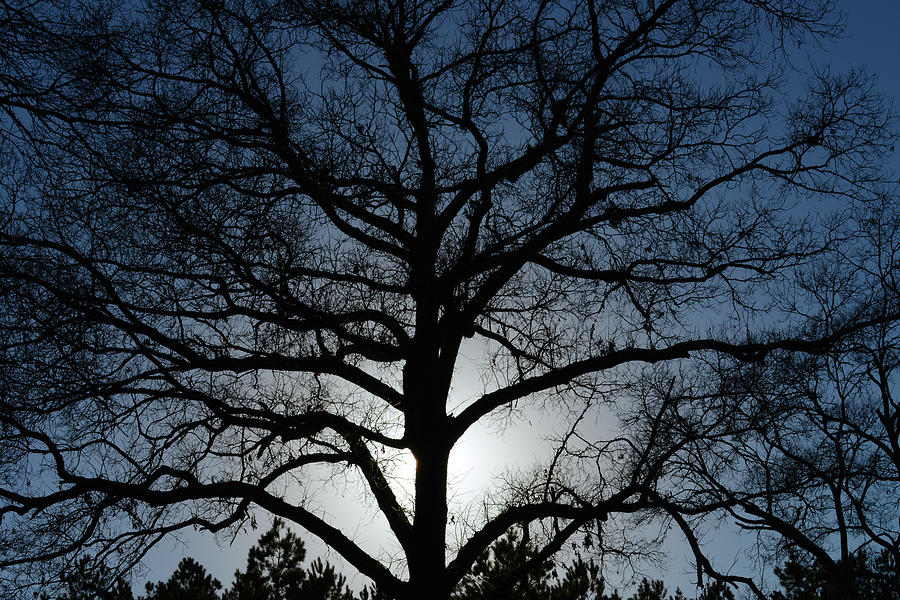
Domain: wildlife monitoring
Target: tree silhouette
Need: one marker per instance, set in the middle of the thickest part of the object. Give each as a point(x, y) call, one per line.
point(246, 244)
point(650, 590)
point(190, 581)
point(868, 578)
point(505, 572)
point(88, 582)
point(810, 444)
point(275, 571)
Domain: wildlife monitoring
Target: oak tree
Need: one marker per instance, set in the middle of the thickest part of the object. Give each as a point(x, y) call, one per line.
point(251, 245)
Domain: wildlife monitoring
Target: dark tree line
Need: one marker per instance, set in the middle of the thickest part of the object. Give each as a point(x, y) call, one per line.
point(873, 577)
point(276, 570)
point(245, 245)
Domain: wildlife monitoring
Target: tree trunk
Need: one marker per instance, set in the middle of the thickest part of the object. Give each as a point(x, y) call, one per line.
point(428, 561)
point(426, 385)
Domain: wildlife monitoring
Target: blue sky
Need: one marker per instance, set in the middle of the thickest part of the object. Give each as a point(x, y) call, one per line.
point(871, 41)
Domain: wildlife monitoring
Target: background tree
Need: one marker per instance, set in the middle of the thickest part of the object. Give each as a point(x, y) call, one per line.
point(650, 590)
point(244, 244)
point(872, 578)
point(190, 581)
point(656, 590)
point(504, 572)
point(275, 571)
point(803, 448)
point(716, 590)
point(89, 582)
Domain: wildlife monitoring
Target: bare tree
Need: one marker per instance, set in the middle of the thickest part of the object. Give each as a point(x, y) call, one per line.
point(802, 448)
point(245, 241)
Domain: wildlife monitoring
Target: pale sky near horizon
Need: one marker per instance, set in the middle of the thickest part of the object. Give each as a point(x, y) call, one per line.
point(872, 41)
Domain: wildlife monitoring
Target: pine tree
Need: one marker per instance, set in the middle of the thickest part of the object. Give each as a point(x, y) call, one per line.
point(190, 581)
point(650, 590)
point(504, 572)
point(91, 582)
point(275, 571)
point(857, 578)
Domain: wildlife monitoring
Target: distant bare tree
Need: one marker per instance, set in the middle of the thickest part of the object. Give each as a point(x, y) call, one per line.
point(803, 448)
point(245, 241)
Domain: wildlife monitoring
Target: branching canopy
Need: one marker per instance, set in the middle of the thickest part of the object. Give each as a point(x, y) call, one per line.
point(244, 242)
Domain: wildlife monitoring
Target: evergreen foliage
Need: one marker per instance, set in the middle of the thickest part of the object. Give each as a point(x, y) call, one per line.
point(190, 581)
point(276, 570)
point(859, 577)
point(87, 583)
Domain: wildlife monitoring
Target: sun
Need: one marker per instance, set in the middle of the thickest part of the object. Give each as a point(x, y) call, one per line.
point(462, 465)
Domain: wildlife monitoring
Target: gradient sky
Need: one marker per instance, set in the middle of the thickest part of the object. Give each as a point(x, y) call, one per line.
point(871, 41)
